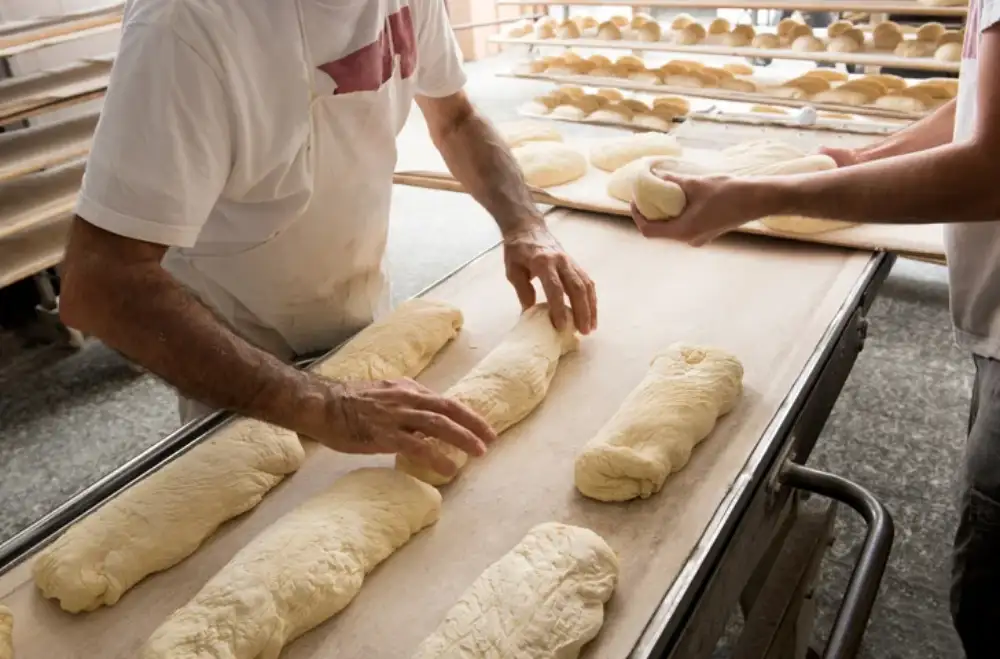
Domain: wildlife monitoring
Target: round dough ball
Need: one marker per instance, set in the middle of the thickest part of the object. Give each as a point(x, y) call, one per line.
point(808, 44)
point(802, 225)
point(767, 41)
point(568, 30)
point(837, 28)
point(622, 180)
point(681, 21)
point(599, 61)
point(887, 35)
point(719, 26)
point(613, 113)
point(798, 30)
point(649, 32)
point(679, 106)
point(951, 36)
point(739, 68)
point(931, 32)
point(610, 94)
point(830, 75)
point(517, 133)
point(915, 48)
point(640, 19)
point(689, 35)
point(738, 85)
point(620, 21)
point(655, 198)
point(630, 62)
point(950, 52)
point(545, 164)
point(844, 44)
point(609, 31)
point(612, 154)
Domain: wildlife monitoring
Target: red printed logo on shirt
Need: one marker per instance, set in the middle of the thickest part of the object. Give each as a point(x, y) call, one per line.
point(371, 66)
point(970, 47)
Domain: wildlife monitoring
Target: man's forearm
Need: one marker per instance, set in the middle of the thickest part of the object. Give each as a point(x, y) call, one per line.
point(952, 183)
point(933, 130)
point(479, 159)
point(137, 308)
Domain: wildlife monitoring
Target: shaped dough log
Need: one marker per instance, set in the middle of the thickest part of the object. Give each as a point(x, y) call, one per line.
point(654, 431)
point(165, 517)
point(299, 572)
point(6, 633)
point(612, 154)
point(507, 385)
point(544, 599)
point(546, 164)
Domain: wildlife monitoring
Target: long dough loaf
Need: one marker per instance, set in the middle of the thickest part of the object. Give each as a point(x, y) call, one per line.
point(508, 384)
point(6, 633)
point(544, 599)
point(161, 520)
point(299, 572)
point(658, 425)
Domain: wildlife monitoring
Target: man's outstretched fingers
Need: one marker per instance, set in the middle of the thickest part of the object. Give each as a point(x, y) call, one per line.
point(579, 297)
point(555, 294)
point(460, 414)
point(446, 430)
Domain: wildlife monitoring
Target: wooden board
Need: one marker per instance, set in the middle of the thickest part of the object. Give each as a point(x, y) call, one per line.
point(870, 6)
point(864, 59)
point(714, 93)
point(745, 300)
point(17, 32)
point(76, 82)
point(55, 39)
point(33, 200)
point(32, 149)
point(33, 251)
point(424, 167)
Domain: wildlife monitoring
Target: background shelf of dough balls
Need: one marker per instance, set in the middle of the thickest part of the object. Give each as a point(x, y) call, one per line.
point(930, 47)
point(825, 89)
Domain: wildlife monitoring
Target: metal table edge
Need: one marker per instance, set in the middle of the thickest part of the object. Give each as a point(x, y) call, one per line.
point(666, 623)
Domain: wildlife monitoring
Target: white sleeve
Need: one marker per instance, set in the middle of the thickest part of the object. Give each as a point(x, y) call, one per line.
point(990, 14)
point(439, 59)
point(162, 150)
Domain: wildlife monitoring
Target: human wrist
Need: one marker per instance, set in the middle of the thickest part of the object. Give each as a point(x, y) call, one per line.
point(522, 224)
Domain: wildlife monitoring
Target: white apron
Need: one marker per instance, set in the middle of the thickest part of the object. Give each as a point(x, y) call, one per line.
point(321, 277)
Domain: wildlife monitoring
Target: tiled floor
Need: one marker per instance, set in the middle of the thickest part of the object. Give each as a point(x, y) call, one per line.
point(897, 428)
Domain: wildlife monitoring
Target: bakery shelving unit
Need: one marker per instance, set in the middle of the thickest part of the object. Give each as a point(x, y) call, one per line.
point(41, 166)
point(715, 47)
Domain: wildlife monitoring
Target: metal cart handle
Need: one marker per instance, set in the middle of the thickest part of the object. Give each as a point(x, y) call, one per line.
point(862, 589)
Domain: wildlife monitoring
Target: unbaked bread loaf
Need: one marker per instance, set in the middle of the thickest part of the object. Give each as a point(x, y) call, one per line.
point(599, 60)
point(845, 44)
point(658, 119)
point(785, 28)
point(689, 35)
point(872, 89)
point(951, 36)
point(610, 93)
point(568, 30)
point(679, 106)
point(766, 41)
point(640, 19)
point(719, 26)
point(646, 77)
point(516, 133)
point(808, 43)
point(949, 52)
point(611, 154)
point(741, 36)
point(794, 32)
point(738, 85)
point(915, 48)
point(830, 75)
point(681, 21)
point(739, 68)
point(609, 31)
point(891, 82)
point(844, 96)
point(887, 35)
point(902, 103)
point(768, 109)
point(620, 20)
point(635, 105)
point(545, 31)
point(649, 32)
point(613, 113)
point(809, 84)
point(837, 28)
point(931, 32)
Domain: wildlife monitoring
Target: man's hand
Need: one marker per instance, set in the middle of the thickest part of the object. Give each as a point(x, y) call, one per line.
point(534, 252)
point(396, 416)
point(715, 205)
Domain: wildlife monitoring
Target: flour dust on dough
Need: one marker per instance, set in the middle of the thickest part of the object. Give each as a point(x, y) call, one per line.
point(164, 518)
point(400, 345)
point(507, 385)
point(517, 133)
point(6, 633)
point(300, 571)
point(656, 428)
point(544, 599)
point(622, 180)
point(546, 164)
point(611, 154)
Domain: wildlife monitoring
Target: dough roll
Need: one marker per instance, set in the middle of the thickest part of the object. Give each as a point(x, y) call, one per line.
point(507, 385)
point(658, 425)
point(161, 520)
point(299, 572)
point(544, 599)
point(6, 633)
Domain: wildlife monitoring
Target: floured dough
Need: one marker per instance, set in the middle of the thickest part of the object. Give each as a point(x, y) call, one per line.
point(796, 224)
point(508, 384)
point(657, 427)
point(612, 154)
point(164, 518)
point(622, 180)
point(6, 633)
point(544, 599)
point(300, 571)
point(400, 345)
point(546, 164)
point(520, 132)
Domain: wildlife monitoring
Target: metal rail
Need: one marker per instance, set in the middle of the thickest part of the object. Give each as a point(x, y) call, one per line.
point(870, 7)
point(496, 21)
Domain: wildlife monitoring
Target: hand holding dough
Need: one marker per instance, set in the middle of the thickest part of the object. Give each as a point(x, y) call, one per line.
point(299, 572)
point(507, 385)
point(658, 425)
point(544, 599)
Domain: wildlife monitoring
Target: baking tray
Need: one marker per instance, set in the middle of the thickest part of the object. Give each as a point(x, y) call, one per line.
point(744, 301)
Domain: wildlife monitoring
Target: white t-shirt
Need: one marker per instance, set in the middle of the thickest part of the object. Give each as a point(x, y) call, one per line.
point(973, 249)
point(203, 140)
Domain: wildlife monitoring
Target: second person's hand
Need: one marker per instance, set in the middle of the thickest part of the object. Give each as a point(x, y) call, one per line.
point(395, 416)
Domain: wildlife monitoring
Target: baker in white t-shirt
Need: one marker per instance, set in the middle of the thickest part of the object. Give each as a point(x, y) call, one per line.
point(235, 206)
point(945, 168)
